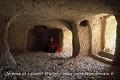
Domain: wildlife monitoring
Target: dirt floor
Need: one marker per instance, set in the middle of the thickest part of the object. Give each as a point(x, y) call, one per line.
point(41, 66)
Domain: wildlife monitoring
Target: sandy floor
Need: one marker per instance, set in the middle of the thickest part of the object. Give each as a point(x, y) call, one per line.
point(41, 66)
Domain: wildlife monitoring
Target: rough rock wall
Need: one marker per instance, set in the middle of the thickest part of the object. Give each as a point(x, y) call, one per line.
point(6, 59)
point(75, 41)
point(84, 39)
point(96, 30)
point(67, 44)
point(67, 9)
point(117, 50)
point(18, 30)
point(17, 37)
point(52, 9)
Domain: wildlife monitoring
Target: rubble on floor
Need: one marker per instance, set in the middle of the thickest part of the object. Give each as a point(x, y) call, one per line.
point(41, 66)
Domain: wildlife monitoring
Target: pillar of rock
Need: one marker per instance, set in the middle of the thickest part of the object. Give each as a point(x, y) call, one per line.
point(117, 51)
point(6, 58)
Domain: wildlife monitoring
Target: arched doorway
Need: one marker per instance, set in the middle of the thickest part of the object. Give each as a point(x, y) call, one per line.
point(38, 37)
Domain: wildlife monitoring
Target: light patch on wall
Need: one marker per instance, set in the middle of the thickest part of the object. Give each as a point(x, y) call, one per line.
point(103, 41)
point(67, 45)
point(110, 35)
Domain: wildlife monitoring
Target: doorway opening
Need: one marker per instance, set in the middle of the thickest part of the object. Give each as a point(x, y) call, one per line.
point(103, 29)
point(38, 38)
point(109, 37)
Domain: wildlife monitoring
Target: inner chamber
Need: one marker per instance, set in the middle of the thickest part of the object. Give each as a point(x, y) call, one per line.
point(38, 37)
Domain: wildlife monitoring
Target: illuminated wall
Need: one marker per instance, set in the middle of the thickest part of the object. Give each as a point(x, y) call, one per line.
point(110, 35)
point(103, 34)
point(18, 34)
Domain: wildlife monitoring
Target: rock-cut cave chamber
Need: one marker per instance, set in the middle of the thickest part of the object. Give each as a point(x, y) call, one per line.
point(33, 35)
point(81, 27)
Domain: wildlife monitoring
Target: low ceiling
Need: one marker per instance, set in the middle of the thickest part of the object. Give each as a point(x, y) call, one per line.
point(58, 9)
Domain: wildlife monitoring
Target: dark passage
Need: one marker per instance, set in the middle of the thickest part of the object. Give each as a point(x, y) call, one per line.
point(39, 38)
